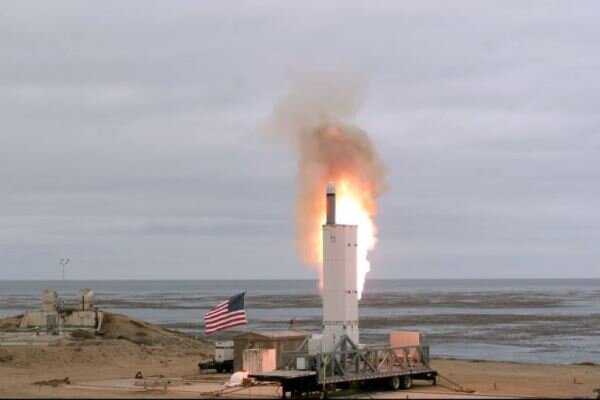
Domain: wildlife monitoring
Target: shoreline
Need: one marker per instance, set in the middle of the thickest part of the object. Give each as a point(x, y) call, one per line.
point(479, 360)
point(105, 366)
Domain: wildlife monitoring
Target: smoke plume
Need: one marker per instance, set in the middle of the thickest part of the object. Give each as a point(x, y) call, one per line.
point(316, 119)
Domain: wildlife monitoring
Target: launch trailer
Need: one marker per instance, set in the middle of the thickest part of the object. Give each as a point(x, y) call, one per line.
point(333, 358)
point(350, 364)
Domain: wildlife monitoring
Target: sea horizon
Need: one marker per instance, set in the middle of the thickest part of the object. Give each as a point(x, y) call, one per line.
point(549, 320)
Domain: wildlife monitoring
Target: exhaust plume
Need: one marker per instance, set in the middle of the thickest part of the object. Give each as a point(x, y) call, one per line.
point(316, 118)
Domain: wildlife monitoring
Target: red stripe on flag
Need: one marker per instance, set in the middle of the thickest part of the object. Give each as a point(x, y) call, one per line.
point(241, 320)
point(210, 326)
point(217, 315)
point(218, 308)
point(224, 317)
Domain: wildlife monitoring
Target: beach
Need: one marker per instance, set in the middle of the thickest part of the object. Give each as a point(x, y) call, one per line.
point(98, 369)
point(531, 321)
point(524, 338)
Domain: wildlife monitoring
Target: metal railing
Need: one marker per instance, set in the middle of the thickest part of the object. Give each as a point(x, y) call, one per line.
point(348, 361)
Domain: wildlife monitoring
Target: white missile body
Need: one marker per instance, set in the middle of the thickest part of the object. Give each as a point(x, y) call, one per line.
point(340, 294)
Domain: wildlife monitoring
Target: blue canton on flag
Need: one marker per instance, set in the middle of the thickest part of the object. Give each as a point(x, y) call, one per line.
point(226, 315)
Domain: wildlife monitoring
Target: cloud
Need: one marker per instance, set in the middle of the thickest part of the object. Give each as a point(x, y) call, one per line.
point(129, 133)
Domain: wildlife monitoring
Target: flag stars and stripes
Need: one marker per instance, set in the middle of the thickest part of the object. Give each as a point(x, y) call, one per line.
point(225, 315)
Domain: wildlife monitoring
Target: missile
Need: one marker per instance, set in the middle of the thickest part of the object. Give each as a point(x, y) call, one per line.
point(330, 203)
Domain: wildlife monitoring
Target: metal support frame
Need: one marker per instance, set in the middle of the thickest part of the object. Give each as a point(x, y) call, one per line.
point(348, 362)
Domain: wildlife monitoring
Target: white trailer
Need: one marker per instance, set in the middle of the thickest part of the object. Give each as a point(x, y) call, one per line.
point(222, 360)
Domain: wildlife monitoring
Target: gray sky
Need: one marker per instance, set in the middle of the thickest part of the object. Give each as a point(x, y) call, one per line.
point(129, 135)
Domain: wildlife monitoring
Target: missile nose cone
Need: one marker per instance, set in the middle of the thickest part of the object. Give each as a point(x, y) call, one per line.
point(330, 203)
point(330, 188)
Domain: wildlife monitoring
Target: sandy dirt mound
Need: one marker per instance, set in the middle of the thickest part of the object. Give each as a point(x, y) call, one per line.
point(118, 326)
point(121, 338)
point(37, 365)
point(10, 323)
point(91, 353)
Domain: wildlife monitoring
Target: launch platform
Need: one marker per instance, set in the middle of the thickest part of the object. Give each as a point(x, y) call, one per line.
point(335, 357)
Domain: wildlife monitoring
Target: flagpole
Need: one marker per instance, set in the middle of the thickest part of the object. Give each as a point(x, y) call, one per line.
point(247, 328)
point(228, 314)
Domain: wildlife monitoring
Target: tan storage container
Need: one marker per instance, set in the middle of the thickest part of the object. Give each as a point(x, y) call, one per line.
point(402, 339)
point(259, 360)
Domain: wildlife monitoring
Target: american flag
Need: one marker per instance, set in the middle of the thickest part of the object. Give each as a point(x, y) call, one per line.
point(225, 315)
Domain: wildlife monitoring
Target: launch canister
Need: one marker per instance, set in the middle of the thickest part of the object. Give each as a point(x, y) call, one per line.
point(330, 203)
point(340, 294)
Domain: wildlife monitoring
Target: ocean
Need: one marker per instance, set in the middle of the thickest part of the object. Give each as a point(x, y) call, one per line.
point(545, 321)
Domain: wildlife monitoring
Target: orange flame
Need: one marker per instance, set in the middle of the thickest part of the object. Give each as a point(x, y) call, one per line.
point(316, 118)
point(353, 209)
